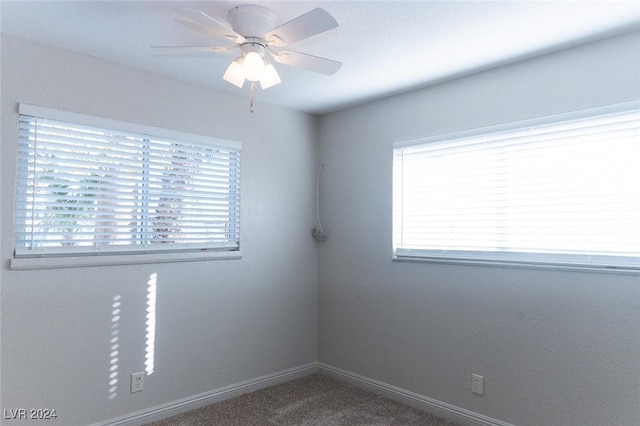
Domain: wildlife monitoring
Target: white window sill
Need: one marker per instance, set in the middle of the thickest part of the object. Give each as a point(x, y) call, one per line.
point(114, 260)
point(529, 265)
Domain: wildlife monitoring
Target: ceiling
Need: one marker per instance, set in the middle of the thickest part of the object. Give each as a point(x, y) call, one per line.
point(386, 47)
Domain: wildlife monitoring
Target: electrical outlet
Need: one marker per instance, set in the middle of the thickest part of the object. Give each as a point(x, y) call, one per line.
point(137, 382)
point(477, 384)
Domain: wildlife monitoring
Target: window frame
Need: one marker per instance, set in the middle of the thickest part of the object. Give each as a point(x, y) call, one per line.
point(111, 255)
point(563, 261)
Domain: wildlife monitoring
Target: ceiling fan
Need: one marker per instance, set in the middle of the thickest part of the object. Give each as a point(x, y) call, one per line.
point(261, 41)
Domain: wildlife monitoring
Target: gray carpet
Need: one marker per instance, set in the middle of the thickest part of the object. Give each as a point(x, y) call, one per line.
point(315, 400)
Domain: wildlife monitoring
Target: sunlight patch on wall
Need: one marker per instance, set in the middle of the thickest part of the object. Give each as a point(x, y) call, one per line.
point(151, 324)
point(114, 347)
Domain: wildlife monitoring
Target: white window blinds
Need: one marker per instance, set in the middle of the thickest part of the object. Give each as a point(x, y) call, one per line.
point(564, 191)
point(83, 189)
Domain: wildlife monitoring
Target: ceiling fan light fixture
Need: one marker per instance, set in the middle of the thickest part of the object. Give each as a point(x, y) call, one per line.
point(235, 72)
point(257, 32)
point(270, 77)
point(253, 66)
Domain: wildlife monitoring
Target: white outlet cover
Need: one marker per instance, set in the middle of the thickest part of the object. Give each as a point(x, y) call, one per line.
point(137, 382)
point(477, 384)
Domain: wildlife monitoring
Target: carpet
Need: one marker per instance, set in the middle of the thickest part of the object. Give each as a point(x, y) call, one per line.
point(314, 400)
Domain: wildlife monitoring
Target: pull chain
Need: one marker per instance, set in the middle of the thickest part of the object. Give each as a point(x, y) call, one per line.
point(253, 89)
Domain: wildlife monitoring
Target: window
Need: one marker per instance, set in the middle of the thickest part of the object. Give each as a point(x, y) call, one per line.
point(85, 186)
point(562, 190)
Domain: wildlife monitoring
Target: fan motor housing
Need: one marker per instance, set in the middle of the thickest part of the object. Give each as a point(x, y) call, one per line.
point(253, 44)
point(252, 20)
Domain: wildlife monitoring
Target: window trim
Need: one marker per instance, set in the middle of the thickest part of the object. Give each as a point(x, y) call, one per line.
point(520, 265)
point(115, 255)
point(574, 262)
point(34, 263)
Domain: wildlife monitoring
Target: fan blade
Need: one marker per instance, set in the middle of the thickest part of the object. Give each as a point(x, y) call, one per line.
point(308, 62)
point(211, 31)
point(311, 23)
point(189, 50)
point(208, 26)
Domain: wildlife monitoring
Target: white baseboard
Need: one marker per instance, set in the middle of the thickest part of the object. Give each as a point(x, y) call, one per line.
point(193, 402)
point(430, 405)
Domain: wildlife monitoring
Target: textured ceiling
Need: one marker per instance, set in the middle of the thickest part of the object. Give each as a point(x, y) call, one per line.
point(386, 46)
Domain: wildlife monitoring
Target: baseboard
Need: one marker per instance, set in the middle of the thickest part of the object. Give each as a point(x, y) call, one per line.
point(430, 405)
point(193, 402)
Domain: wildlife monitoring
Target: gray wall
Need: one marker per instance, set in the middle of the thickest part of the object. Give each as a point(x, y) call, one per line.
point(555, 347)
point(218, 322)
